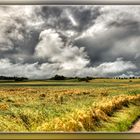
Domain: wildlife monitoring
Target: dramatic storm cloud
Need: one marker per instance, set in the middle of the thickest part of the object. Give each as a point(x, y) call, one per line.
point(42, 41)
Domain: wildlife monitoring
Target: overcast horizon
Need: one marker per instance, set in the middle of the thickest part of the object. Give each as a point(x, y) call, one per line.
point(39, 42)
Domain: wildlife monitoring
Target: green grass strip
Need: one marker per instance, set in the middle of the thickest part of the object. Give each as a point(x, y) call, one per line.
point(122, 120)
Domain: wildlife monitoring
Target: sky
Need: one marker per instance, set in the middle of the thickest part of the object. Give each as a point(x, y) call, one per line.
point(38, 41)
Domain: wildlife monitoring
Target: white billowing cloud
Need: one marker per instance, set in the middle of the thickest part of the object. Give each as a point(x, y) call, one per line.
point(9, 69)
point(51, 47)
point(78, 63)
point(33, 71)
point(47, 70)
point(106, 68)
point(115, 67)
point(50, 44)
point(94, 31)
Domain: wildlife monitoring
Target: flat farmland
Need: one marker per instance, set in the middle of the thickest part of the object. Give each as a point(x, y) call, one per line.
point(69, 105)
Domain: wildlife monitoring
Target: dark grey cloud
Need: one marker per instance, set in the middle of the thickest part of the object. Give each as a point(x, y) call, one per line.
point(115, 34)
point(76, 18)
point(41, 41)
point(111, 44)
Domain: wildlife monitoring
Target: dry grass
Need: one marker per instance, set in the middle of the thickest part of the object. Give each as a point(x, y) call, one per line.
point(64, 108)
point(88, 120)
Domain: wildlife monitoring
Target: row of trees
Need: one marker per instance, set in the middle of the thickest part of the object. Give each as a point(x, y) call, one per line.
point(13, 78)
point(127, 77)
point(61, 77)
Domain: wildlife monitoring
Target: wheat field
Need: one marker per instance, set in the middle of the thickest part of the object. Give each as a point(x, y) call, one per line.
point(69, 106)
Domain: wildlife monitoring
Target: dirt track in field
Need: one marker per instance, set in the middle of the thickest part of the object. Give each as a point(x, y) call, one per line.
point(135, 127)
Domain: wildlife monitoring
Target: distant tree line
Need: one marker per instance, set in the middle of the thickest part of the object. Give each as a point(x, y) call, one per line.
point(86, 79)
point(58, 77)
point(13, 78)
point(127, 77)
point(61, 77)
